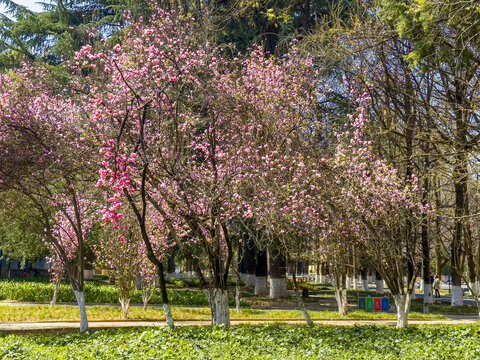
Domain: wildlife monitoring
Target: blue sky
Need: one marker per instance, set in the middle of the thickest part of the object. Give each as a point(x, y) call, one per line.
point(31, 4)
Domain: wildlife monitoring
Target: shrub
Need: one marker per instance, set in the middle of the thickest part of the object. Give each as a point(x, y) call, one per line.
point(94, 293)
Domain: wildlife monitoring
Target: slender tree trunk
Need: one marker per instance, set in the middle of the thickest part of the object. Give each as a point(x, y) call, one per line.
point(460, 177)
point(242, 266)
point(83, 310)
point(55, 292)
point(355, 270)
point(237, 290)
point(299, 298)
point(250, 261)
point(163, 291)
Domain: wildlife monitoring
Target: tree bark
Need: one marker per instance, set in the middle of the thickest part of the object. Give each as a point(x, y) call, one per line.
point(402, 302)
point(250, 261)
point(299, 298)
point(378, 283)
point(364, 280)
point(278, 280)
point(261, 273)
point(83, 310)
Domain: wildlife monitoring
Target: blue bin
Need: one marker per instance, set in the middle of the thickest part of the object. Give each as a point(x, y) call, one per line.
point(385, 304)
point(361, 303)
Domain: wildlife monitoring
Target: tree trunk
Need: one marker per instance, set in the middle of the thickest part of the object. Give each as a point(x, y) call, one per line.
point(299, 299)
point(364, 280)
point(278, 280)
point(250, 262)
point(163, 290)
point(378, 283)
point(218, 299)
point(460, 177)
point(473, 287)
point(261, 273)
point(402, 302)
point(237, 297)
point(457, 295)
point(341, 295)
point(242, 266)
point(237, 289)
point(323, 275)
point(83, 310)
point(426, 281)
point(168, 316)
point(171, 263)
point(55, 293)
point(125, 303)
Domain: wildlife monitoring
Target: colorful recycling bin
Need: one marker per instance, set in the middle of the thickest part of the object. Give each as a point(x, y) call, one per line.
point(377, 304)
point(385, 304)
point(369, 304)
point(361, 303)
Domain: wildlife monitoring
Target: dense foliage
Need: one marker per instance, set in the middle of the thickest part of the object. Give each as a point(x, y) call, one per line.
point(266, 342)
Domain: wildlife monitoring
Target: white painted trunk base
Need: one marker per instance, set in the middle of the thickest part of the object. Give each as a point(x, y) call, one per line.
point(168, 316)
point(237, 298)
point(364, 285)
point(125, 303)
point(379, 286)
point(414, 294)
point(474, 287)
point(250, 280)
point(243, 277)
point(322, 279)
point(427, 294)
point(83, 311)
point(278, 288)
point(55, 292)
point(222, 312)
point(402, 302)
point(261, 285)
point(341, 297)
point(457, 296)
point(422, 285)
point(348, 281)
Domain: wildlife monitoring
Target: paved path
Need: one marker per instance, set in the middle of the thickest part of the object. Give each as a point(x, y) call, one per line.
point(67, 325)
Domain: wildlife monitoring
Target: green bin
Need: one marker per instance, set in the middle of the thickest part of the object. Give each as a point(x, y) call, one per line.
point(369, 304)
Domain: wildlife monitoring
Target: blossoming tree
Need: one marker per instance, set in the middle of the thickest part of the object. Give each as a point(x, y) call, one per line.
point(45, 156)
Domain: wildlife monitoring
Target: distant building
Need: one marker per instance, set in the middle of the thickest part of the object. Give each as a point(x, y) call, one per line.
point(13, 269)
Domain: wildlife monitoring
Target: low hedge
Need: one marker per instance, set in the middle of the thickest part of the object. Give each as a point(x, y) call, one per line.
point(94, 293)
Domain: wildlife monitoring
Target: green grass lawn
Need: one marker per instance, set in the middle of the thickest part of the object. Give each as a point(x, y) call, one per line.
point(52, 313)
point(322, 298)
point(251, 342)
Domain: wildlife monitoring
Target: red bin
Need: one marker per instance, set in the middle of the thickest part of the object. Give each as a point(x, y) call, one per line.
point(377, 304)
